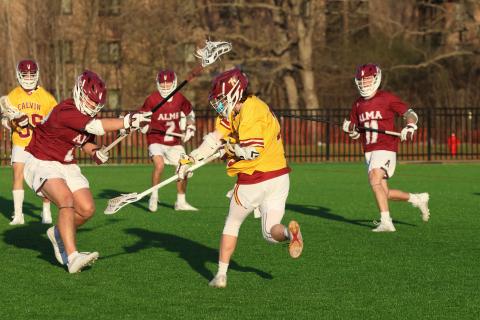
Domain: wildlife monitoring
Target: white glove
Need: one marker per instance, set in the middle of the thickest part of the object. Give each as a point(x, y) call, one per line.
point(137, 120)
point(100, 156)
point(408, 131)
point(189, 132)
point(184, 164)
point(351, 129)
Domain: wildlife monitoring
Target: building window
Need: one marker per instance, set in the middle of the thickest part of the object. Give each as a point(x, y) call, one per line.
point(65, 49)
point(109, 52)
point(110, 8)
point(114, 99)
point(66, 7)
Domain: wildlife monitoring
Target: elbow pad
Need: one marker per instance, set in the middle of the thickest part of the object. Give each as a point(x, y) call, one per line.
point(95, 127)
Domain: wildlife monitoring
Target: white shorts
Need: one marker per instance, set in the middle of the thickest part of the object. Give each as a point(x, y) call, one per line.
point(382, 159)
point(18, 154)
point(171, 154)
point(269, 196)
point(37, 172)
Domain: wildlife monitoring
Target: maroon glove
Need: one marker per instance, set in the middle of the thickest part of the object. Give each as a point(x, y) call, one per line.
point(21, 121)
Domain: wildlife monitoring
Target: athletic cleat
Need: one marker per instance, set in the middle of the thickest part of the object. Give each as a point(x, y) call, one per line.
point(295, 247)
point(421, 202)
point(220, 281)
point(384, 226)
point(185, 206)
point(46, 217)
point(57, 243)
point(153, 204)
point(17, 220)
point(82, 260)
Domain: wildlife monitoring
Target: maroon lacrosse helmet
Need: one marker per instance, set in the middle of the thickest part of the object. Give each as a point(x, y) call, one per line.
point(227, 89)
point(28, 74)
point(367, 79)
point(164, 77)
point(89, 93)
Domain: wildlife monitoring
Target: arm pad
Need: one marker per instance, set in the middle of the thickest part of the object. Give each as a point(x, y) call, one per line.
point(95, 127)
point(208, 147)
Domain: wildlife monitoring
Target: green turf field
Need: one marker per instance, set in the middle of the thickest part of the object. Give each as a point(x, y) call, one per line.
point(157, 266)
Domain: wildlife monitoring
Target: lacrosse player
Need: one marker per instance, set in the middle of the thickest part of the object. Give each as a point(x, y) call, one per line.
point(33, 104)
point(51, 169)
point(377, 109)
point(256, 157)
point(165, 136)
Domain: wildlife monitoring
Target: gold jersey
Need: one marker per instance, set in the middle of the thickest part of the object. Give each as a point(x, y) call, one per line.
point(36, 104)
point(255, 125)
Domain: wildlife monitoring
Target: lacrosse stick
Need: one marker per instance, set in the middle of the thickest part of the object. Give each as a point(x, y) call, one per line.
point(8, 110)
point(208, 55)
point(324, 120)
point(119, 202)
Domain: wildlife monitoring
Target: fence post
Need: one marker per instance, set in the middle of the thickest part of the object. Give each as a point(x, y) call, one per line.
point(327, 142)
point(429, 133)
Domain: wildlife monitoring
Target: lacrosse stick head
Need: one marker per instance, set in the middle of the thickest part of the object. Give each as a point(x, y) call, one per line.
point(119, 202)
point(8, 111)
point(212, 50)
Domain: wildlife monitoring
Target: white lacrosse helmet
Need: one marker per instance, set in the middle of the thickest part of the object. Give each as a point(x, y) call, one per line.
point(164, 77)
point(367, 79)
point(28, 74)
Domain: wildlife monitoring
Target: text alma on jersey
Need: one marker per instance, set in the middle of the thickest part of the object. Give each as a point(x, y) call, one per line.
point(169, 116)
point(370, 115)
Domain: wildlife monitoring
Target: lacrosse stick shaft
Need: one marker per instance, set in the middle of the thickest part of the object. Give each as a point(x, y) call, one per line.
point(115, 142)
point(324, 120)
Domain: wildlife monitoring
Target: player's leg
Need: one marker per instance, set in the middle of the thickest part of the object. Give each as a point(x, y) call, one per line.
point(46, 211)
point(418, 200)
point(272, 210)
point(172, 157)
point(17, 192)
point(158, 166)
point(236, 215)
point(84, 206)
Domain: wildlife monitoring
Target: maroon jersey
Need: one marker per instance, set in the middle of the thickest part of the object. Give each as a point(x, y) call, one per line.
point(56, 138)
point(166, 119)
point(378, 112)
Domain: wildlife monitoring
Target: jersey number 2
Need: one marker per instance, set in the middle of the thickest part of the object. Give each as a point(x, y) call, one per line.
point(170, 129)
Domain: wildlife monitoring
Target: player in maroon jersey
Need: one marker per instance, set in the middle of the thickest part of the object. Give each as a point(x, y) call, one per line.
point(51, 169)
point(377, 109)
point(165, 136)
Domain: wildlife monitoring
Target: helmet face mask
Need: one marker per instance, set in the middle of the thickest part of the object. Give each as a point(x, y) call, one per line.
point(89, 93)
point(227, 90)
point(28, 74)
point(166, 82)
point(368, 78)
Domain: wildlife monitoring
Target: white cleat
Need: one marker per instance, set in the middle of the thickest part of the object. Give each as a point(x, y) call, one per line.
point(385, 225)
point(153, 204)
point(220, 281)
point(185, 206)
point(46, 217)
point(82, 260)
point(57, 243)
point(17, 220)
point(295, 247)
point(421, 202)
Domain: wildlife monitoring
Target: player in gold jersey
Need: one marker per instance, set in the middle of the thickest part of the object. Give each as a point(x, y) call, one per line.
point(255, 155)
point(34, 103)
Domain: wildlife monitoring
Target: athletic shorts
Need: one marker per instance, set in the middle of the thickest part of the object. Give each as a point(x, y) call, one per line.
point(382, 159)
point(18, 154)
point(171, 154)
point(37, 172)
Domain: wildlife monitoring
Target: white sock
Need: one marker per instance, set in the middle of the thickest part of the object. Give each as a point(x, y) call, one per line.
point(18, 196)
point(181, 198)
point(46, 209)
point(154, 195)
point(222, 268)
point(71, 256)
point(412, 198)
point(385, 215)
point(286, 233)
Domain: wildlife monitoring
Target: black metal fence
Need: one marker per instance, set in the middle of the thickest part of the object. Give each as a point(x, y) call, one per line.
point(310, 141)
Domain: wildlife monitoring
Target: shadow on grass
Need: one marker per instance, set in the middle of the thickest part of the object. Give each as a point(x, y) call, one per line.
point(29, 209)
point(194, 253)
point(322, 212)
point(476, 193)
